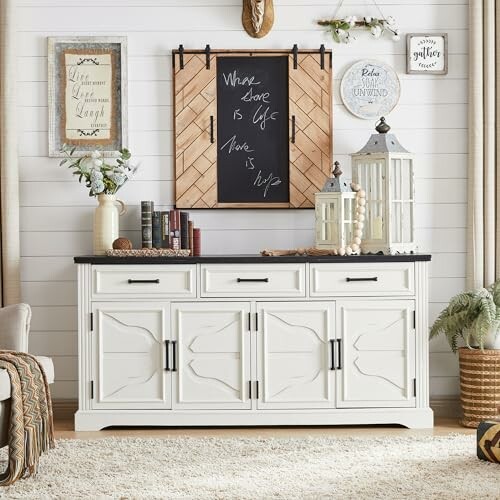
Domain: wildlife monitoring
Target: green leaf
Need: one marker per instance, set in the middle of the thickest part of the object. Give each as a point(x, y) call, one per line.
point(335, 36)
point(345, 26)
point(73, 149)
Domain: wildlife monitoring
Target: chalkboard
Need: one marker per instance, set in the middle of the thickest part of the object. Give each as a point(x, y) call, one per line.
point(252, 130)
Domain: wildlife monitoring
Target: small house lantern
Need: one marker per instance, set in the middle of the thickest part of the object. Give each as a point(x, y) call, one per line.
point(385, 170)
point(339, 215)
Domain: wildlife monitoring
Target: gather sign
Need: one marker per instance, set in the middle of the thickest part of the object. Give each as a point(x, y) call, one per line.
point(427, 53)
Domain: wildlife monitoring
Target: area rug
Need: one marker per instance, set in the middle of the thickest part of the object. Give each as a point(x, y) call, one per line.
point(262, 468)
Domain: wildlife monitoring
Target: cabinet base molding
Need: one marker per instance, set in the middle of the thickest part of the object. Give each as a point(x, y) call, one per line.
point(414, 418)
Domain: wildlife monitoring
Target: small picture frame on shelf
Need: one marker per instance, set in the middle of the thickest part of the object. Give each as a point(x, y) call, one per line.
point(427, 53)
point(87, 87)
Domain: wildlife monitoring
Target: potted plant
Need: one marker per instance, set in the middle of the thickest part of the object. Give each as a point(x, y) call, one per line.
point(103, 177)
point(473, 318)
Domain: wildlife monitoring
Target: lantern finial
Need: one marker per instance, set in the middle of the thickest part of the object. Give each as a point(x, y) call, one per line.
point(336, 172)
point(382, 127)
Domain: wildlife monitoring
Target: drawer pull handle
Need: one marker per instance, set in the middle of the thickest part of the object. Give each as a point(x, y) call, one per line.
point(339, 366)
point(174, 356)
point(167, 357)
point(332, 354)
point(157, 281)
point(375, 278)
point(254, 280)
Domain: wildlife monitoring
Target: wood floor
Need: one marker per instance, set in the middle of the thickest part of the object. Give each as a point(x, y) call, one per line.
point(443, 426)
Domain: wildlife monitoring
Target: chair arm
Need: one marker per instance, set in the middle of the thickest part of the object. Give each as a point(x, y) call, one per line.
point(14, 327)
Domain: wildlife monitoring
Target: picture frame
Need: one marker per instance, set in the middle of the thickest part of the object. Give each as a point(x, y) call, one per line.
point(87, 94)
point(427, 53)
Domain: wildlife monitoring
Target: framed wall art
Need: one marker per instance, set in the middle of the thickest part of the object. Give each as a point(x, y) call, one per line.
point(370, 89)
point(427, 53)
point(87, 93)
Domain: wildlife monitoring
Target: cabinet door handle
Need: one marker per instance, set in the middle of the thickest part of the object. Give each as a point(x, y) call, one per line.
point(174, 355)
point(332, 354)
point(167, 357)
point(252, 280)
point(249, 389)
point(212, 140)
point(339, 343)
point(293, 129)
point(375, 278)
point(257, 389)
point(157, 281)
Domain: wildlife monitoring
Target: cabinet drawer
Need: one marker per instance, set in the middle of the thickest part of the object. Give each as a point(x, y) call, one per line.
point(394, 278)
point(144, 281)
point(253, 280)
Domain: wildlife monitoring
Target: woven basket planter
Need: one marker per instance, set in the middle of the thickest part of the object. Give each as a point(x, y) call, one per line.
point(479, 385)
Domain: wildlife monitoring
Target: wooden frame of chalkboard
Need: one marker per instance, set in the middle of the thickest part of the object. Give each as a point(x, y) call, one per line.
point(252, 128)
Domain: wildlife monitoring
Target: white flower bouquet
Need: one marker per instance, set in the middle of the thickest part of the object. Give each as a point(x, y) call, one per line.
point(101, 175)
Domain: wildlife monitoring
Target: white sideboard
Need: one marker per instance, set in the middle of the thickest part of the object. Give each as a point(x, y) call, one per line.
point(249, 340)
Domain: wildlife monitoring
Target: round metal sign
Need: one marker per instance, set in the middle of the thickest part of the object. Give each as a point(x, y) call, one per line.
point(370, 89)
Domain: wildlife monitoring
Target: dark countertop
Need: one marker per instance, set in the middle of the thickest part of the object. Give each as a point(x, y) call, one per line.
point(250, 259)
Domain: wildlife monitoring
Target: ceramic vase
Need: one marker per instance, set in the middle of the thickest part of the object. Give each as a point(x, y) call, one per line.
point(107, 222)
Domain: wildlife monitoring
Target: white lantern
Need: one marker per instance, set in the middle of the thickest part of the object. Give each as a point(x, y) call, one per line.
point(337, 216)
point(385, 170)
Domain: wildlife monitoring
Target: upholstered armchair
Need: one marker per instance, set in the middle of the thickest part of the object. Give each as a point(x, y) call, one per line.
point(14, 331)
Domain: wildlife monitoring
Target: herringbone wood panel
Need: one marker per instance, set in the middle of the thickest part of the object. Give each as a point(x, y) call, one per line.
point(195, 156)
point(310, 102)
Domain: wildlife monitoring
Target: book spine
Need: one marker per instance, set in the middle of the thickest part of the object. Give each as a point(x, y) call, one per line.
point(184, 230)
point(175, 242)
point(147, 223)
point(190, 231)
point(165, 230)
point(156, 225)
point(196, 241)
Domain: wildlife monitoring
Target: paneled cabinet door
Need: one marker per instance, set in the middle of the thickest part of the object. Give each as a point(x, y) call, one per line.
point(129, 355)
point(295, 341)
point(211, 347)
point(377, 353)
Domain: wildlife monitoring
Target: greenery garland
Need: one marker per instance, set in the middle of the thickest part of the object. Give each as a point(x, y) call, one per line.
point(340, 29)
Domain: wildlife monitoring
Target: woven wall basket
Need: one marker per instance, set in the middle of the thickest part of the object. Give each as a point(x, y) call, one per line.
point(479, 385)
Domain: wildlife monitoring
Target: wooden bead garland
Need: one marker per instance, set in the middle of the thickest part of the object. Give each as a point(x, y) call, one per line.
point(354, 247)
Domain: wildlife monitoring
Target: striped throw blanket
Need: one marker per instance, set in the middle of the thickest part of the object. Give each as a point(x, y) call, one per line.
point(31, 429)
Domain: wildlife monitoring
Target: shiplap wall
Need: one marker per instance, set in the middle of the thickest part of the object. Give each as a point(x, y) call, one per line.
point(56, 212)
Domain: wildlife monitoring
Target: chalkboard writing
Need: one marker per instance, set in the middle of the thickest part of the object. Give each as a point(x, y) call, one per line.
point(252, 130)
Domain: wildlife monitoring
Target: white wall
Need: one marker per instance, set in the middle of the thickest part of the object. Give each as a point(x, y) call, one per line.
point(56, 212)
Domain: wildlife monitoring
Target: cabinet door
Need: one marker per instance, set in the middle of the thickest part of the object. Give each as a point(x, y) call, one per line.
point(212, 355)
point(294, 354)
point(377, 353)
point(129, 355)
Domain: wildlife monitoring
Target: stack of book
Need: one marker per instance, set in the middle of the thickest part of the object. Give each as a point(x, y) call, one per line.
point(168, 229)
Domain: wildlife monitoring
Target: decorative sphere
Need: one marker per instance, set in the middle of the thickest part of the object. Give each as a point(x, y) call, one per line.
point(361, 218)
point(341, 251)
point(355, 247)
point(348, 250)
point(122, 244)
point(361, 210)
point(361, 225)
point(356, 241)
point(355, 187)
point(361, 202)
point(358, 233)
point(335, 251)
point(362, 193)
